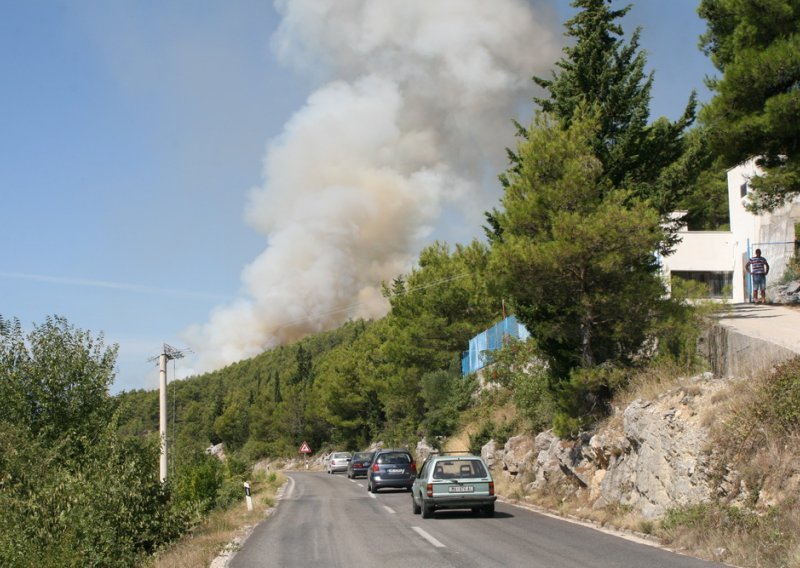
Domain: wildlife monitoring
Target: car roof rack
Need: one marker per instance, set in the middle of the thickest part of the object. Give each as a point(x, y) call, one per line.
point(450, 453)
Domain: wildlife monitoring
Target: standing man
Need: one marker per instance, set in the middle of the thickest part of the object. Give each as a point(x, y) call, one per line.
point(758, 268)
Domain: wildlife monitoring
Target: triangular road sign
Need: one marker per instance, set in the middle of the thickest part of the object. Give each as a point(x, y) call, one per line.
point(304, 449)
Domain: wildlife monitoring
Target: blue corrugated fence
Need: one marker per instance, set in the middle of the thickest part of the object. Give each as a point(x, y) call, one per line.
point(481, 346)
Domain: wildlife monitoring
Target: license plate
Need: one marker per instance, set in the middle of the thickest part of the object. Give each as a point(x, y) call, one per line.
point(461, 489)
point(396, 470)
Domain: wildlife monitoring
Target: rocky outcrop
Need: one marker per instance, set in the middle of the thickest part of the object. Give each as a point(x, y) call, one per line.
point(788, 293)
point(650, 456)
point(423, 450)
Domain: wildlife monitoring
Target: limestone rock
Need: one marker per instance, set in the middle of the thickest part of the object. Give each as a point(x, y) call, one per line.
point(518, 454)
point(490, 452)
point(423, 450)
point(651, 455)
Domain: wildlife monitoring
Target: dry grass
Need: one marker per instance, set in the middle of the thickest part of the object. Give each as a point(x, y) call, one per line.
point(220, 528)
point(654, 382)
point(736, 535)
point(459, 441)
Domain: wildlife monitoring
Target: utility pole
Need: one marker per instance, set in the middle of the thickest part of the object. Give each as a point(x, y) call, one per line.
point(167, 354)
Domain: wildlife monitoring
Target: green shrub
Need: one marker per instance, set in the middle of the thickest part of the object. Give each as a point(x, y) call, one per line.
point(198, 481)
point(231, 491)
point(254, 450)
point(695, 516)
point(237, 467)
point(567, 426)
point(490, 431)
point(780, 406)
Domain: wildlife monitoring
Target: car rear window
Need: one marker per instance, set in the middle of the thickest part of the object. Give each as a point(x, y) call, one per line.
point(459, 469)
point(362, 457)
point(397, 458)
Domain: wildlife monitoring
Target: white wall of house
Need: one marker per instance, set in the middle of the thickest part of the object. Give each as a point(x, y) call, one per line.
point(728, 251)
point(772, 232)
point(704, 251)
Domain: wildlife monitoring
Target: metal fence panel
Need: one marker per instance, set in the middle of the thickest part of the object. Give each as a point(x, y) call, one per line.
point(481, 346)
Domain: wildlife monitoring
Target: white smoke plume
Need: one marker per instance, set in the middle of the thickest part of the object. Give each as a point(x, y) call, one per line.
point(414, 117)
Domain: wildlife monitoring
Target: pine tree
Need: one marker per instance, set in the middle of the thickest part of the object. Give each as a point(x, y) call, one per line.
point(756, 109)
point(605, 72)
point(576, 260)
point(276, 388)
point(576, 257)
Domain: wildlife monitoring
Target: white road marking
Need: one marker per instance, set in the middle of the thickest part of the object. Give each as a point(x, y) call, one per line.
point(389, 509)
point(371, 495)
point(428, 537)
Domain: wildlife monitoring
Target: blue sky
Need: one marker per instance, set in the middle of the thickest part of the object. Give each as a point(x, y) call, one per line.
point(134, 133)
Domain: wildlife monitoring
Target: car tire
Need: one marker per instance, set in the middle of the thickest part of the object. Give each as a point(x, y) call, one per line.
point(427, 510)
point(488, 510)
point(372, 488)
point(415, 506)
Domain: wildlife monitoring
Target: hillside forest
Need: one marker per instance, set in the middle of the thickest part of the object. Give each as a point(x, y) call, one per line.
point(571, 249)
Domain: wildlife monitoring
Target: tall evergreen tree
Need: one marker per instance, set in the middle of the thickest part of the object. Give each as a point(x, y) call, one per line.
point(576, 257)
point(304, 370)
point(756, 109)
point(576, 260)
point(276, 388)
point(602, 70)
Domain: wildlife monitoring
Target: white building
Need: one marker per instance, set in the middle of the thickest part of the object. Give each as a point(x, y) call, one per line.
point(718, 257)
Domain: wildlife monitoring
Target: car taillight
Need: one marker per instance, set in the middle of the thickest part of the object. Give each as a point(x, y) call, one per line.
point(491, 488)
point(413, 467)
point(375, 468)
point(429, 489)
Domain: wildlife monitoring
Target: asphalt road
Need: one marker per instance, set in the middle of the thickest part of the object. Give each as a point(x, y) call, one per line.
point(331, 521)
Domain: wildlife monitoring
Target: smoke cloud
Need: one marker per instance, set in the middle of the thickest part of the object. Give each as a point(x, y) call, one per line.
point(412, 119)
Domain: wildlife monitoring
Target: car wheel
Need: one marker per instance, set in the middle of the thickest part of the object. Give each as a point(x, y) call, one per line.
point(488, 510)
point(427, 510)
point(372, 488)
point(415, 506)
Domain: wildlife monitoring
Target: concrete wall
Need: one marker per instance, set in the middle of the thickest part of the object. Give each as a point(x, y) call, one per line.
point(734, 354)
point(748, 339)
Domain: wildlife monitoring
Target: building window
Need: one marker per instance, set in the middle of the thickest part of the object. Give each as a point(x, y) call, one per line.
point(720, 284)
point(743, 189)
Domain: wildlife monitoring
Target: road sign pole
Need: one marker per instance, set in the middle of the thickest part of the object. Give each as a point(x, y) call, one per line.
point(305, 449)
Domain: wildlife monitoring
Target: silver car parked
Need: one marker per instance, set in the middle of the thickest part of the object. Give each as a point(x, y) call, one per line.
point(338, 461)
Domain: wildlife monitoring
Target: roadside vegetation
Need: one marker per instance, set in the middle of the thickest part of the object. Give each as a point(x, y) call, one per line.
point(572, 250)
point(223, 529)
